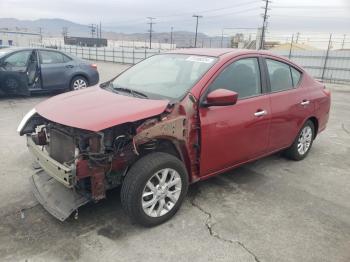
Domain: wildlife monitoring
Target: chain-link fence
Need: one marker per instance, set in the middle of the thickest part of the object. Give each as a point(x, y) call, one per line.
point(124, 55)
point(326, 65)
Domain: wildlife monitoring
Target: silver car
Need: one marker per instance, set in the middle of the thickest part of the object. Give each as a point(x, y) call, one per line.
point(27, 70)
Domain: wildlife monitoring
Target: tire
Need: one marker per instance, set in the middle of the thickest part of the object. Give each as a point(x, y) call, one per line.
point(299, 149)
point(78, 82)
point(137, 198)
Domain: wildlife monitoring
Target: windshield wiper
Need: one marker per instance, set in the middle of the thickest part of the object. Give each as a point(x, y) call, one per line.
point(130, 91)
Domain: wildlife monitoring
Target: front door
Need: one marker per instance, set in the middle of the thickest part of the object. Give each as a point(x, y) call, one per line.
point(235, 134)
point(14, 72)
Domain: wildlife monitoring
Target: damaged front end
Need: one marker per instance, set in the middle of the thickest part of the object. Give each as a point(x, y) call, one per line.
point(78, 166)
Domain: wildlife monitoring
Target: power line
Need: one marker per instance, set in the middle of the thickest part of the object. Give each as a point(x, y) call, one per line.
point(180, 15)
point(151, 23)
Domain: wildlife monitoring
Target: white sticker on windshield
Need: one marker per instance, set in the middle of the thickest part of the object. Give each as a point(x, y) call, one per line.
point(200, 59)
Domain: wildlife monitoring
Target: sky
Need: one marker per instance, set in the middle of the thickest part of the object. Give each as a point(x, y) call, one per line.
point(285, 16)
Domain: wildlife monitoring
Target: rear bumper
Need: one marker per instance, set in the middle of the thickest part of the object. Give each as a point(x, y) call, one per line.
point(58, 171)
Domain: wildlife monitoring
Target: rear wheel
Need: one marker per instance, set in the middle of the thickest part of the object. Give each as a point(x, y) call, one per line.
point(154, 189)
point(78, 82)
point(303, 142)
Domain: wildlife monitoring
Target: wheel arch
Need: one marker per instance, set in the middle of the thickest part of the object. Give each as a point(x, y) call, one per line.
point(173, 147)
point(315, 122)
point(77, 75)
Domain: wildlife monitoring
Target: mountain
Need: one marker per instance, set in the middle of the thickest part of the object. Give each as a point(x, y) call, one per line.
point(49, 27)
point(55, 27)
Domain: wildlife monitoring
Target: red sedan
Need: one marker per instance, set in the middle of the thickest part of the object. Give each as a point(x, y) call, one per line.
point(171, 120)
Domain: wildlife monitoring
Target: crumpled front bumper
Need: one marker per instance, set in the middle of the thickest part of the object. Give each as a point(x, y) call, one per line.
point(53, 184)
point(60, 172)
point(57, 199)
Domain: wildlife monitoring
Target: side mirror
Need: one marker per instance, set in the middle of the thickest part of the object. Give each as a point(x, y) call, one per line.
point(221, 97)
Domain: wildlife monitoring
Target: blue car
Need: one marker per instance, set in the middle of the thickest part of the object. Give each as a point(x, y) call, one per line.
point(27, 70)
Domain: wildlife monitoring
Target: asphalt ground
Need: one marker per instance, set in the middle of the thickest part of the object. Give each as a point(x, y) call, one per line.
point(271, 210)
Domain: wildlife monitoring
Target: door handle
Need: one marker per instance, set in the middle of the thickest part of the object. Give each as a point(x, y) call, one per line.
point(305, 102)
point(69, 66)
point(260, 113)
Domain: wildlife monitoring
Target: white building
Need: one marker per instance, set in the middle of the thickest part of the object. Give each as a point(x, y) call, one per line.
point(18, 38)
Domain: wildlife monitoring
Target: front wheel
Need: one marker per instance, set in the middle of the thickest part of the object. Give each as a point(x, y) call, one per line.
point(303, 142)
point(154, 188)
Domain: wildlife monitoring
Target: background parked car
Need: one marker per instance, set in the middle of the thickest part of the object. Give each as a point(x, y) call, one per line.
point(27, 70)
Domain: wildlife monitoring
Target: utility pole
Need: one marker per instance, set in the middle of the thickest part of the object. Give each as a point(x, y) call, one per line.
point(171, 37)
point(343, 43)
point(291, 47)
point(151, 23)
point(97, 31)
point(222, 37)
point(92, 30)
point(41, 34)
point(327, 54)
point(265, 16)
point(100, 30)
point(296, 40)
point(195, 39)
point(64, 32)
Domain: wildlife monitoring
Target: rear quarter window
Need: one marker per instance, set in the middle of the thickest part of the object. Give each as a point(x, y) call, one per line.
point(296, 75)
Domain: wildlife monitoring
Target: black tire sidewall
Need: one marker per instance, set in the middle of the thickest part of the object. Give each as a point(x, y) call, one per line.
point(133, 200)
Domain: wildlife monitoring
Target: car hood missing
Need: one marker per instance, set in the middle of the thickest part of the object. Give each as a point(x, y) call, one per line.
point(96, 109)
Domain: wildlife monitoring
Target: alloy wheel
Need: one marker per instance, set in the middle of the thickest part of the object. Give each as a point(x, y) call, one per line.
point(79, 84)
point(304, 140)
point(161, 193)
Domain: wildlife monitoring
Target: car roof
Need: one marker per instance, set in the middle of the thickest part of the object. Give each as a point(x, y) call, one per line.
point(217, 52)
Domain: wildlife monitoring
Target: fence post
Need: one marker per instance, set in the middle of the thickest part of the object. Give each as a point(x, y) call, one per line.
point(76, 51)
point(113, 54)
point(291, 47)
point(122, 54)
point(89, 54)
point(133, 55)
point(96, 53)
point(145, 53)
point(326, 58)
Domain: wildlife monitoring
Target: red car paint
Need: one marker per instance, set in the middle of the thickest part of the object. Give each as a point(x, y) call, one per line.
point(225, 136)
point(96, 109)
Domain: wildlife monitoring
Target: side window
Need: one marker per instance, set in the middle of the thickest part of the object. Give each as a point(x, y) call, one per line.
point(18, 59)
point(51, 57)
point(280, 75)
point(242, 76)
point(296, 75)
point(66, 58)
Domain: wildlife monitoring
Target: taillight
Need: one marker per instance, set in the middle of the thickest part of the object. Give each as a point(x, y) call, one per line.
point(94, 66)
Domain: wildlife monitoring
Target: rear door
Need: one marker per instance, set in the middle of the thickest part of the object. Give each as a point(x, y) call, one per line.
point(290, 104)
point(56, 69)
point(234, 134)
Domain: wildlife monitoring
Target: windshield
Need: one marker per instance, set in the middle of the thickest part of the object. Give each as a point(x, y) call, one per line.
point(164, 76)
